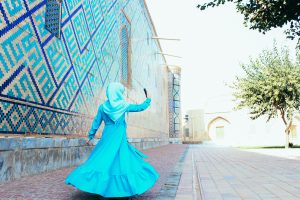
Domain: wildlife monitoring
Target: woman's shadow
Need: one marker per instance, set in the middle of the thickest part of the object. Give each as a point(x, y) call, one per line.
point(79, 195)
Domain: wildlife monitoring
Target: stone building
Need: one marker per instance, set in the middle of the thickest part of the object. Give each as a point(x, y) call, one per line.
point(53, 84)
point(235, 128)
point(56, 59)
point(194, 126)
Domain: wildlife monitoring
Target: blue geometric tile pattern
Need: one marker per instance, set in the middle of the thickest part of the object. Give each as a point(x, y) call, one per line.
point(174, 104)
point(125, 30)
point(53, 17)
point(54, 86)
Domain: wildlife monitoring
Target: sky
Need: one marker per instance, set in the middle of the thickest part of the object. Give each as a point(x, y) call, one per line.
point(213, 44)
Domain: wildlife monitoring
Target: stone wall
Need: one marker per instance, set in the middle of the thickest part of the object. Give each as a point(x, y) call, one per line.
point(25, 156)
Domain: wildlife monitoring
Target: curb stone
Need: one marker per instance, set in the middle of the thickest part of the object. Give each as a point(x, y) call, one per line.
point(169, 189)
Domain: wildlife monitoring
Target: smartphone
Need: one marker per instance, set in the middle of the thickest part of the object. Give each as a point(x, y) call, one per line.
point(145, 91)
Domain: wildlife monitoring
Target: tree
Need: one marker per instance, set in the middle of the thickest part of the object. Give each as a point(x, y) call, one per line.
point(270, 87)
point(263, 15)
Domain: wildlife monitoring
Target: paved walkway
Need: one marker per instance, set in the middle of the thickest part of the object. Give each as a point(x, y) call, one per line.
point(206, 172)
point(50, 185)
point(221, 173)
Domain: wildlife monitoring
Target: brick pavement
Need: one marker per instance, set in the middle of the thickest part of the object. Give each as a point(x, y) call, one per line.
point(208, 173)
point(51, 185)
point(233, 174)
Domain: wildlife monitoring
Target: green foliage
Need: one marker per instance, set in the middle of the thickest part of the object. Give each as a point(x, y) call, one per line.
point(271, 85)
point(263, 15)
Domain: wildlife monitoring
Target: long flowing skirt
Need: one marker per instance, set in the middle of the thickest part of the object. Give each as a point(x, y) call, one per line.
point(114, 168)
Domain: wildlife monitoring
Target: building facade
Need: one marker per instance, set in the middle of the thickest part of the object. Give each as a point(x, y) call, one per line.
point(58, 56)
point(194, 126)
point(235, 128)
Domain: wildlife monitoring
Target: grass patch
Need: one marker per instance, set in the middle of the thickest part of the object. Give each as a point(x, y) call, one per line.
point(267, 147)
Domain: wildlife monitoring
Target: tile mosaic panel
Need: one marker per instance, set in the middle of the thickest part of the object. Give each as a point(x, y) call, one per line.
point(53, 85)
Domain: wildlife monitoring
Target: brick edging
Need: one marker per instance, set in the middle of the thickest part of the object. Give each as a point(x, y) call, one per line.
point(169, 189)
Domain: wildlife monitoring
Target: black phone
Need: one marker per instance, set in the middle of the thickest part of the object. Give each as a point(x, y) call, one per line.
point(145, 91)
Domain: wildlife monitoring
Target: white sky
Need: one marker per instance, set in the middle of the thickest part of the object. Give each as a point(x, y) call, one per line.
point(213, 44)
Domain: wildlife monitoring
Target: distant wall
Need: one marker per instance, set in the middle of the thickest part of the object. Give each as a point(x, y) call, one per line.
point(195, 127)
point(240, 130)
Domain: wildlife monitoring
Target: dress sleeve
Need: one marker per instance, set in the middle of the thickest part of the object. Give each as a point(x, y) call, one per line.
point(96, 124)
point(139, 107)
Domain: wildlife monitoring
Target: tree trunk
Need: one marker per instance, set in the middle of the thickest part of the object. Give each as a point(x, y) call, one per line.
point(287, 135)
point(287, 139)
point(287, 129)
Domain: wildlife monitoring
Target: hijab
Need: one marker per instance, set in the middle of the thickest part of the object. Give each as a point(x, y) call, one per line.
point(115, 105)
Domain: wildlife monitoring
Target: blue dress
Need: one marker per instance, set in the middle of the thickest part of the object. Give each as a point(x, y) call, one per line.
point(114, 168)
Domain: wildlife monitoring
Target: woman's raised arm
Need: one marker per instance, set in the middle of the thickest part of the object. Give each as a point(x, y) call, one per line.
point(139, 107)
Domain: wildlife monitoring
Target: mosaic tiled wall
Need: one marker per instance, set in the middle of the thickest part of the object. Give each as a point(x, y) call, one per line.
point(54, 85)
point(174, 102)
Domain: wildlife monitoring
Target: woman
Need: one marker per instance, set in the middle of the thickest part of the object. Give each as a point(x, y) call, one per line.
point(114, 167)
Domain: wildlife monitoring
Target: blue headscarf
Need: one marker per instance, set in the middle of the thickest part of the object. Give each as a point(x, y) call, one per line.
point(115, 105)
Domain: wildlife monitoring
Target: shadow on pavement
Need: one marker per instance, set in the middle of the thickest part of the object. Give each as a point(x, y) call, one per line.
point(79, 195)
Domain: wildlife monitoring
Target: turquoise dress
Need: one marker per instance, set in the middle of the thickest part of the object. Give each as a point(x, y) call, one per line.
point(114, 168)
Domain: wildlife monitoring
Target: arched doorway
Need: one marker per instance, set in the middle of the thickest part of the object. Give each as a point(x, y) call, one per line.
point(216, 128)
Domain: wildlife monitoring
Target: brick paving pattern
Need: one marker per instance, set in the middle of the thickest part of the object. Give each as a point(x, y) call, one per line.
point(51, 185)
point(207, 173)
point(169, 189)
point(234, 174)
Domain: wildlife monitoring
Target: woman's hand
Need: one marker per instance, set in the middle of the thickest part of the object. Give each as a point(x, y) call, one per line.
point(89, 142)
